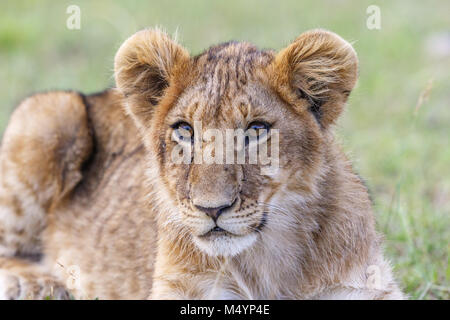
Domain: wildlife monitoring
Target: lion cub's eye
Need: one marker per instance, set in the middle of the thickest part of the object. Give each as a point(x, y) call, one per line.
point(258, 125)
point(257, 130)
point(183, 131)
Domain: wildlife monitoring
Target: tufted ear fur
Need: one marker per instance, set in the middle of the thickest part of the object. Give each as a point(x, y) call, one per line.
point(145, 65)
point(322, 68)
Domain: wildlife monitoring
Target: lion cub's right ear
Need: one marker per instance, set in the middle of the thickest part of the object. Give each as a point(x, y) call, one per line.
point(145, 65)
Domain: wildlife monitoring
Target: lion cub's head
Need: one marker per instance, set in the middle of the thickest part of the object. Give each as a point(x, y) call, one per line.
point(236, 135)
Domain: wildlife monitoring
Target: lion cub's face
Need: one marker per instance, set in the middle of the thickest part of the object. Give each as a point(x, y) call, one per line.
point(220, 200)
point(233, 133)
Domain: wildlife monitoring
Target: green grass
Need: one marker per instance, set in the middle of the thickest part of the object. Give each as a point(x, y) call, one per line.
point(404, 156)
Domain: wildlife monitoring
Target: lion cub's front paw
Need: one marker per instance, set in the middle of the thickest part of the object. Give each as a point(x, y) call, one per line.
point(29, 286)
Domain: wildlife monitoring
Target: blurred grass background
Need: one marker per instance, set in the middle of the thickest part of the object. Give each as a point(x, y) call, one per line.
point(398, 141)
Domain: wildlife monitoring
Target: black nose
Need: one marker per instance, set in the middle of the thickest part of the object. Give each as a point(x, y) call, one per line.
point(214, 213)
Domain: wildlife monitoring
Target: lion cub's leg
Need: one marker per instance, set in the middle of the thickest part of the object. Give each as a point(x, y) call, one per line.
point(44, 146)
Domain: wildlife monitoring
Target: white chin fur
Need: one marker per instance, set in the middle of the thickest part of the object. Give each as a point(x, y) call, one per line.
point(225, 246)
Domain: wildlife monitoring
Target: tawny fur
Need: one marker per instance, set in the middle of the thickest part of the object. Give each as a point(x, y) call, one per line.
point(91, 204)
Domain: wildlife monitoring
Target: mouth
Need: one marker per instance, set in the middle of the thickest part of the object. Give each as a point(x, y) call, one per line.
point(216, 232)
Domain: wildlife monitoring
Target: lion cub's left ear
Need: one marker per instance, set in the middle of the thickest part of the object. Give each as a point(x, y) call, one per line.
point(322, 68)
point(145, 65)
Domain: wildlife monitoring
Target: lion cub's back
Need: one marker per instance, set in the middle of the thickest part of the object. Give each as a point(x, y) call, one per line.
point(104, 231)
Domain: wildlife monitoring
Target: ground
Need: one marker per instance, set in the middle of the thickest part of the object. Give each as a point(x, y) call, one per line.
point(396, 128)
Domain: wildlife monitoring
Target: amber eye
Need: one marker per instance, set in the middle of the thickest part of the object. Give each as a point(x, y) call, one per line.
point(257, 129)
point(183, 131)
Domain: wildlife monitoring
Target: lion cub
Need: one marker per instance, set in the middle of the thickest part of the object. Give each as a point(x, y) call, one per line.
point(208, 177)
